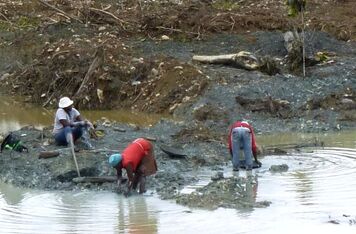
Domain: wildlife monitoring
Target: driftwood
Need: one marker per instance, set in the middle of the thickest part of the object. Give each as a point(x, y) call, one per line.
point(48, 154)
point(178, 30)
point(111, 15)
point(95, 179)
point(243, 59)
point(273, 106)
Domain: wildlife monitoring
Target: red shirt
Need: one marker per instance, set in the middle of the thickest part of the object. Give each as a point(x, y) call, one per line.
point(246, 125)
point(134, 153)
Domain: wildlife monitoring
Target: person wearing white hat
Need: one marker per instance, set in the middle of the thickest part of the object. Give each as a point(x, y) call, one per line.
point(68, 123)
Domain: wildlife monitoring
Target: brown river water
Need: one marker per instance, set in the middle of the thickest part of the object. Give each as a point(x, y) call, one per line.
point(316, 195)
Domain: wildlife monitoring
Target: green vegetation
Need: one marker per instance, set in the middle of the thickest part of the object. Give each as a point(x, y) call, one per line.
point(22, 22)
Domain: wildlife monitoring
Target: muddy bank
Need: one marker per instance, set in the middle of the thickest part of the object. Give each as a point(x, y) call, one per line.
point(202, 154)
point(27, 170)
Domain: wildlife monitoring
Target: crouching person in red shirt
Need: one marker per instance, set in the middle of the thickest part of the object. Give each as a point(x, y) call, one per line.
point(242, 137)
point(138, 160)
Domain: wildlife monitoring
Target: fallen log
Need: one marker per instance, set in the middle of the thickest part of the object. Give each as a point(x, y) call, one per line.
point(95, 179)
point(243, 59)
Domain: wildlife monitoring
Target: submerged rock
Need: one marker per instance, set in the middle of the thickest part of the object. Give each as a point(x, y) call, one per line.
point(218, 176)
point(234, 192)
point(279, 168)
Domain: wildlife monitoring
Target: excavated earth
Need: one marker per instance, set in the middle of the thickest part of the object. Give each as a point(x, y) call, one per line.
point(112, 55)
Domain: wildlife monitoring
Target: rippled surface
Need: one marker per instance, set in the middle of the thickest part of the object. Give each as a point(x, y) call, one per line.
point(317, 191)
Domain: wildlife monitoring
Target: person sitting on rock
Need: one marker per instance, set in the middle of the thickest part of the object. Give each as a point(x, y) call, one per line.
point(241, 136)
point(69, 124)
point(138, 160)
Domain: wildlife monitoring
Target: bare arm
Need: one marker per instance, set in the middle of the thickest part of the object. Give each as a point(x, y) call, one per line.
point(119, 172)
point(79, 118)
point(129, 171)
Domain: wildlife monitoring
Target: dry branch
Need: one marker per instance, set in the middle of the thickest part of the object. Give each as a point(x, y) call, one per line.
point(58, 10)
point(93, 66)
point(104, 12)
point(177, 30)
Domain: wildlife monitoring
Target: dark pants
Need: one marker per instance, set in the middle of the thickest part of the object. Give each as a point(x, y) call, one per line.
point(61, 139)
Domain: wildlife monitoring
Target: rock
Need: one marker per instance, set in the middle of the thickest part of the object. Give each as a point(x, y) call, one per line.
point(119, 129)
point(218, 176)
point(102, 28)
point(5, 76)
point(165, 38)
point(100, 95)
point(279, 168)
point(154, 72)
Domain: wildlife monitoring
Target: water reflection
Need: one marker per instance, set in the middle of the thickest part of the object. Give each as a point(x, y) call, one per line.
point(24, 211)
point(140, 220)
point(16, 114)
point(304, 186)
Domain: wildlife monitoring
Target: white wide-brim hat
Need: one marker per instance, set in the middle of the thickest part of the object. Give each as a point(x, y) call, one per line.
point(65, 102)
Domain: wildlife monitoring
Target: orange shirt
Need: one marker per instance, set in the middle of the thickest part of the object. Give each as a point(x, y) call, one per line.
point(134, 153)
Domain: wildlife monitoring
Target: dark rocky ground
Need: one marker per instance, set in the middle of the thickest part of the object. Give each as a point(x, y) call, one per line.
point(323, 101)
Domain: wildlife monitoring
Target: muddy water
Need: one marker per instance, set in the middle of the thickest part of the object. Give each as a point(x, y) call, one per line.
point(15, 114)
point(317, 194)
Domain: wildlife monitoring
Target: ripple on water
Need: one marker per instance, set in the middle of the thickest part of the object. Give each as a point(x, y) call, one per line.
point(319, 186)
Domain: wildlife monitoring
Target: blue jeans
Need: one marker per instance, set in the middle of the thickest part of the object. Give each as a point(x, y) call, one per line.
point(241, 139)
point(61, 139)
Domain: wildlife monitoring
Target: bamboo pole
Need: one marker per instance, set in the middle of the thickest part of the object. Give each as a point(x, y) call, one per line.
point(73, 153)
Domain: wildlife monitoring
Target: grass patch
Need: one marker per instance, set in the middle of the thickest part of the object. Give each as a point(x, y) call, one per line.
point(22, 22)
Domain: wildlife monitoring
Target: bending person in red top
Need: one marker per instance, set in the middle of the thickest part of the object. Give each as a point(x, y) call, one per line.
point(241, 136)
point(138, 161)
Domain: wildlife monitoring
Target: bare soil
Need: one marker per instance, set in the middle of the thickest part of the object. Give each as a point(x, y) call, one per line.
point(50, 47)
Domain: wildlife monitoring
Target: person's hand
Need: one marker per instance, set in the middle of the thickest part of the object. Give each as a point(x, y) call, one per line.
point(121, 181)
point(89, 124)
point(258, 162)
point(128, 190)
